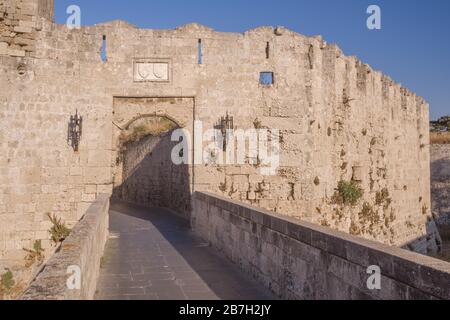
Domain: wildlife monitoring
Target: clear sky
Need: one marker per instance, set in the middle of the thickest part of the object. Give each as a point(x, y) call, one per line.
point(413, 46)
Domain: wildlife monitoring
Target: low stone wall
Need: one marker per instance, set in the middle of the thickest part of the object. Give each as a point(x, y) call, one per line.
point(84, 249)
point(299, 260)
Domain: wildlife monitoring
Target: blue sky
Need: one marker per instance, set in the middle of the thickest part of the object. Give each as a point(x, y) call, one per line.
point(413, 46)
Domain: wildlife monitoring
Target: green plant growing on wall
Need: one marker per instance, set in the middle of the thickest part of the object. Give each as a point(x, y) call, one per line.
point(7, 281)
point(348, 193)
point(59, 231)
point(36, 255)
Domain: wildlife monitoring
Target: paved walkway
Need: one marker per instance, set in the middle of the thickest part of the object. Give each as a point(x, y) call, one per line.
point(152, 255)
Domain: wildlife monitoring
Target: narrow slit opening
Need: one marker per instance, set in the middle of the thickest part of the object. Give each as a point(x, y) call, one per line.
point(103, 54)
point(267, 50)
point(200, 51)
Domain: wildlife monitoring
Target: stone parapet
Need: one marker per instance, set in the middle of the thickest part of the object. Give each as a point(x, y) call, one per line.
point(82, 250)
point(300, 260)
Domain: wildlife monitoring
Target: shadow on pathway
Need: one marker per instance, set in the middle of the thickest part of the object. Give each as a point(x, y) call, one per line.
point(153, 255)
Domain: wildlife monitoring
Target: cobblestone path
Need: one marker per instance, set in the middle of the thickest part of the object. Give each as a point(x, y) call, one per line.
point(153, 255)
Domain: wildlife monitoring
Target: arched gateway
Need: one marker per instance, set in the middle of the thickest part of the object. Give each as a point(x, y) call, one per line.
point(144, 171)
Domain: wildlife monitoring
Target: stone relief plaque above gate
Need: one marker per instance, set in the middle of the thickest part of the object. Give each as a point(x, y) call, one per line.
point(152, 70)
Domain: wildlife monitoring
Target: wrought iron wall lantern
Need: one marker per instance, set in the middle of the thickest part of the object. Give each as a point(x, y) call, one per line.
point(226, 127)
point(75, 131)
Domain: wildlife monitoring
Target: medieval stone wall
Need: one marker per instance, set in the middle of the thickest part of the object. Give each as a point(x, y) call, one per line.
point(339, 120)
point(19, 22)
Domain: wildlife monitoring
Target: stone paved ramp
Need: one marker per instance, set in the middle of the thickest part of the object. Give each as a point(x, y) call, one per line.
point(152, 255)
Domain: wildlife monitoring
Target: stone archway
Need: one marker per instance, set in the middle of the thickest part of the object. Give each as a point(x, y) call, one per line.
point(144, 171)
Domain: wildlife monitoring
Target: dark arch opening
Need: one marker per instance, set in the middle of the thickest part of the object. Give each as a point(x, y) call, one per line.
point(149, 177)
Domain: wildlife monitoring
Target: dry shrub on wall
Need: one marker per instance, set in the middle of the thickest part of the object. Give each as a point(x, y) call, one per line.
point(59, 231)
point(142, 130)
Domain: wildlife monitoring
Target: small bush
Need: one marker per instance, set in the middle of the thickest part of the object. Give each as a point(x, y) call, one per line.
point(7, 280)
point(59, 231)
point(36, 255)
point(348, 193)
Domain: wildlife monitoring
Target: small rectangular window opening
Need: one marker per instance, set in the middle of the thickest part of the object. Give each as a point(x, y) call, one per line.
point(103, 55)
point(266, 78)
point(267, 50)
point(200, 51)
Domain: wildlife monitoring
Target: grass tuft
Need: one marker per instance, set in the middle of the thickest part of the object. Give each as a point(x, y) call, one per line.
point(59, 231)
point(348, 193)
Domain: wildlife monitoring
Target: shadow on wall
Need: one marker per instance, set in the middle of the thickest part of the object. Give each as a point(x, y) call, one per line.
point(430, 244)
point(440, 170)
point(440, 191)
point(151, 179)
